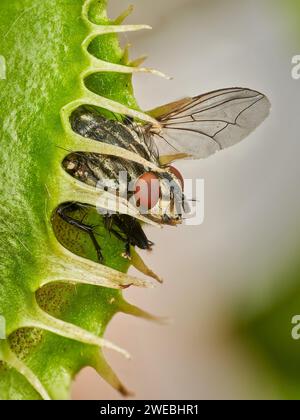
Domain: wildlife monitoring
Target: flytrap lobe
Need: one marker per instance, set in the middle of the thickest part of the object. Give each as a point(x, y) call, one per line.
point(55, 295)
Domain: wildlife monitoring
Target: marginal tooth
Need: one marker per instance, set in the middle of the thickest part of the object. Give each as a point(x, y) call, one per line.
point(107, 29)
point(107, 373)
point(9, 357)
point(138, 61)
point(75, 142)
point(132, 310)
point(141, 266)
point(104, 66)
point(101, 102)
point(115, 27)
point(97, 30)
point(72, 190)
point(120, 19)
point(154, 72)
point(47, 322)
point(67, 267)
point(117, 107)
point(126, 54)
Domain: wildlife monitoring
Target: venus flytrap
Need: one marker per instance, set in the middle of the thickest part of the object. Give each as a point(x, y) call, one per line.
point(68, 118)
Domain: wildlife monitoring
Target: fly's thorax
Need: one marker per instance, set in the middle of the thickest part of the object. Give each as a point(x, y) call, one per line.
point(155, 129)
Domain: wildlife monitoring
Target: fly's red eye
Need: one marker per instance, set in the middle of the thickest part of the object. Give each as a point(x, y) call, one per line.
point(147, 191)
point(177, 174)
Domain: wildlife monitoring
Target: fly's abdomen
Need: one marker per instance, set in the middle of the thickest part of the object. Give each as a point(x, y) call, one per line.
point(93, 169)
point(90, 123)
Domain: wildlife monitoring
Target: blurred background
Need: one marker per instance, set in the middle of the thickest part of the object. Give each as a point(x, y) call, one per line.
point(231, 285)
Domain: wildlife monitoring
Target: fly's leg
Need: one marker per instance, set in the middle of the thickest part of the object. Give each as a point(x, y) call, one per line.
point(127, 253)
point(109, 226)
point(61, 211)
point(134, 232)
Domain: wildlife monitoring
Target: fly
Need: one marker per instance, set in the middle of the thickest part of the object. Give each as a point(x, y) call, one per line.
point(192, 128)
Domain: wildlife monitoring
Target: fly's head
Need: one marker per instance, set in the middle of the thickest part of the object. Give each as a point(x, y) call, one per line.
point(160, 196)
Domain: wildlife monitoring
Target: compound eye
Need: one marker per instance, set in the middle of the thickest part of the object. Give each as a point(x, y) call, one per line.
point(177, 175)
point(147, 191)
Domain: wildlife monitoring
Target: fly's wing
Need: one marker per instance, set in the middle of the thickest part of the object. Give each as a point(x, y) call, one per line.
point(198, 127)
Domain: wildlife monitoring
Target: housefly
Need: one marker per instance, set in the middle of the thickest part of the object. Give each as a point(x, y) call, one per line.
point(191, 128)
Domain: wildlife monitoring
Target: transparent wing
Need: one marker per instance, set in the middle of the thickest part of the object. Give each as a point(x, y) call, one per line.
point(200, 126)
